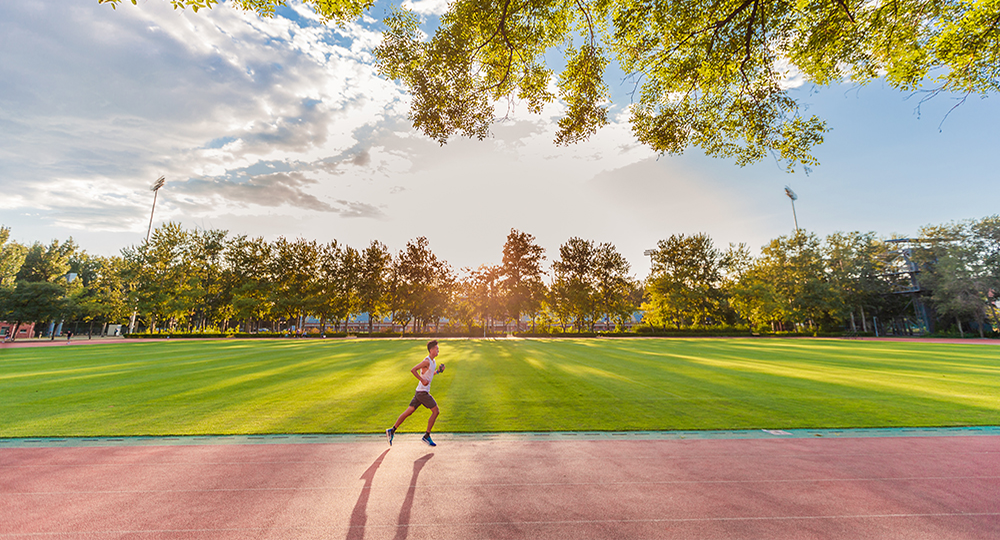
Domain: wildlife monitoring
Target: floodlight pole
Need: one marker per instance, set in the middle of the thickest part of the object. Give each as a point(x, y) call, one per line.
point(649, 253)
point(795, 217)
point(791, 195)
point(156, 190)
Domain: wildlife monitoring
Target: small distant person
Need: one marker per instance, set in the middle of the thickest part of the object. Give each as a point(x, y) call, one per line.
point(424, 372)
point(69, 336)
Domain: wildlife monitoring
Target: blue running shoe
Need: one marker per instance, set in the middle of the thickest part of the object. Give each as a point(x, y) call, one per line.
point(427, 439)
point(389, 433)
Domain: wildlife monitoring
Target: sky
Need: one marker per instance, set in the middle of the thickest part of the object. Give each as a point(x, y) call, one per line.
point(282, 127)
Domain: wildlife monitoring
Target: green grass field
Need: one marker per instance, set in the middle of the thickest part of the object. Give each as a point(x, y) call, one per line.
point(360, 386)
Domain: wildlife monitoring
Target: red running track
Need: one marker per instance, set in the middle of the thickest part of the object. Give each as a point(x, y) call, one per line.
point(879, 488)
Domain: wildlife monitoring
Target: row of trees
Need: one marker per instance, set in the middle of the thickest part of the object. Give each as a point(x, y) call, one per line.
point(205, 280)
point(194, 280)
point(947, 276)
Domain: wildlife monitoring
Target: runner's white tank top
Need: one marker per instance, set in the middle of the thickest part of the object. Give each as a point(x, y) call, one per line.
point(429, 375)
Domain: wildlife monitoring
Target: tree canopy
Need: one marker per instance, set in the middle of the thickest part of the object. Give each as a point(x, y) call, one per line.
point(710, 73)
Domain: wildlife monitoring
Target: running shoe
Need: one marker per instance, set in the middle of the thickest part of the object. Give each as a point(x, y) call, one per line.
point(389, 433)
point(427, 439)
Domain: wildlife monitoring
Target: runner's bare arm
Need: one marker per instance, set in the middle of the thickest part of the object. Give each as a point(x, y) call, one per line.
point(418, 371)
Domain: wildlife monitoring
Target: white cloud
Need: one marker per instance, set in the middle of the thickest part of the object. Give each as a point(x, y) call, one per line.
point(99, 97)
point(791, 75)
point(427, 7)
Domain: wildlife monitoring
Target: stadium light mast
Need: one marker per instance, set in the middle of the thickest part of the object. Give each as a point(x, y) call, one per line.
point(791, 195)
point(650, 253)
point(155, 188)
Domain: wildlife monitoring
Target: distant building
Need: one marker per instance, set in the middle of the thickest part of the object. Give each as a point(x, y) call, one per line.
point(355, 323)
point(605, 324)
point(26, 330)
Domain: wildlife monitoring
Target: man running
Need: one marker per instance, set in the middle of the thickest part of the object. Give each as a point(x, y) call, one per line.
point(424, 372)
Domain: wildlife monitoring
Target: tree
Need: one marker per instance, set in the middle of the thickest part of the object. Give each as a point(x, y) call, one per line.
point(572, 292)
point(685, 282)
point(708, 74)
point(295, 270)
point(249, 278)
point(521, 275)
point(350, 275)
point(211, 298)
point(79, 301)
point(959, 269)
point(736, 262)
point(756, 299)
point(52, 264)
point(341, 271)
point(105, 294)
point(960, 291)
point(159, 272)
point(376, 262)
point(480, 296)
point(789, 283)
point(614, 288)
point(12, 257)
point(857, 262)
point(985, 238)
point(47, 263)
point(423, 285)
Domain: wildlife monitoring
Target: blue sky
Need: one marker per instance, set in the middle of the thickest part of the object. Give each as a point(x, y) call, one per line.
point(281, 127)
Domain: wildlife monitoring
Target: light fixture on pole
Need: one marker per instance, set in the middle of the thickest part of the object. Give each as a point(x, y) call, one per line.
point(155, 188)
point(650, 253)
point(791, 195)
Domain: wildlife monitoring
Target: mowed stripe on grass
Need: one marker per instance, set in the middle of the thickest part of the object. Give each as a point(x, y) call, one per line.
point(360, 386)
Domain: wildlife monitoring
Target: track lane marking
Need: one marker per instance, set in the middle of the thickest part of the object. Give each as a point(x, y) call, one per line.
point(511, 484)
point(509, 523)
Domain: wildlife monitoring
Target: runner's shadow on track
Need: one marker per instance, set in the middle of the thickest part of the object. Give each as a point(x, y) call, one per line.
point(359, 517)
point(403, 527)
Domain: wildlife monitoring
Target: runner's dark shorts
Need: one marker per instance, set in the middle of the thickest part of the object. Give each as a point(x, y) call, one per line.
point(423, 398)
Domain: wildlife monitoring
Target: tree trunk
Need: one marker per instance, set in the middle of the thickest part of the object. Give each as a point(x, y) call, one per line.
point(864, 321)
point(960, 331)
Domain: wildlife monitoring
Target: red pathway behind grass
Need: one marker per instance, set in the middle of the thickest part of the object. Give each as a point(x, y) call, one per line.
point(852, 488)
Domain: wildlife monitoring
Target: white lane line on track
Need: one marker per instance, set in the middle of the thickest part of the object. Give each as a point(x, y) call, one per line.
point(775, 456)
point(509, 523)
point(513, 484)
